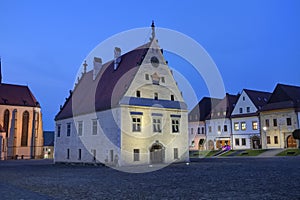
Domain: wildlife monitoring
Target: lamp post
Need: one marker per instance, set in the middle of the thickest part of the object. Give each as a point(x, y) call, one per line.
point(264, 138)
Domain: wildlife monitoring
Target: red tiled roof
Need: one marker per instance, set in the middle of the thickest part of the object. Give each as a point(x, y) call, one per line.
point(17, 95)
point(107, 89)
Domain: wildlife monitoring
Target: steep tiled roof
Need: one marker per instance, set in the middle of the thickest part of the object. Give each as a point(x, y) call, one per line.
point(202, 109)
point(225, 105)
point(259, 98)
point(17, 95)
point(107, 89)
point(284, 96)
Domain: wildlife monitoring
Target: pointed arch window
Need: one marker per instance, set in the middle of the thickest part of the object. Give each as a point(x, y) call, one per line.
point(25, 125)
point(6, 121)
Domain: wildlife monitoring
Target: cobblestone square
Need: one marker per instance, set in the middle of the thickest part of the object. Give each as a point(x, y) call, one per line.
point(221, 178)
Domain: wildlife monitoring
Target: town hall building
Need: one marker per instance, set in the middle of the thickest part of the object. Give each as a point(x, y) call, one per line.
point(128, 111)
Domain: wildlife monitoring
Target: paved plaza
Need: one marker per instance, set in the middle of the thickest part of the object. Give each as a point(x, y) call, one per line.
point(214, 178)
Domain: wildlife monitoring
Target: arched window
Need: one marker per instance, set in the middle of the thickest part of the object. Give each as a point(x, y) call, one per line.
point(6, 122)
point(25, 124)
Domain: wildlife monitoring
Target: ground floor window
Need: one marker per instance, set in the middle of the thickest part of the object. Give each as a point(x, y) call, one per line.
point(244, 141)
point(237, 141)
point(175, 153)
point(268, 140)
point(136, 155)
point(275, 139)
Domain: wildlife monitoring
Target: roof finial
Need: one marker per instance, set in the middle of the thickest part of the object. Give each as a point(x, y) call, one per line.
point(153, 31)
point(84, 66)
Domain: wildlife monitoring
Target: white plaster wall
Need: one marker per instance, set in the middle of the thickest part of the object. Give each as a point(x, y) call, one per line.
point(244, 104)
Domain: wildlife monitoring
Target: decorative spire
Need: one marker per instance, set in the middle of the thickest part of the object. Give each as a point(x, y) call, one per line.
point(153, 31)
point(84, 66)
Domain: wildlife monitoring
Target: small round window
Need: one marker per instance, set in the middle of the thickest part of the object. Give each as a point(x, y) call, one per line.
point(154, 61)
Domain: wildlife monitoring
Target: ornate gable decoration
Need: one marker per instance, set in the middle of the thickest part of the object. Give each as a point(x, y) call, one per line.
point(155, 78)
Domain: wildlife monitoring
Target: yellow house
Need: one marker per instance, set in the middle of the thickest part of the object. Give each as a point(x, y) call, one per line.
point(279, 117)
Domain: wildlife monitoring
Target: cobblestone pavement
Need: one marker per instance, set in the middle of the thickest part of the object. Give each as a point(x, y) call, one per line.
point(233, 178)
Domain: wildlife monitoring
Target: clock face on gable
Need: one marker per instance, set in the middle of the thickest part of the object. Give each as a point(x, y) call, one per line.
point(154, 61)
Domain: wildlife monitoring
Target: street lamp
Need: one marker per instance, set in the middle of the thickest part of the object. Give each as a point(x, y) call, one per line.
point(265, 136)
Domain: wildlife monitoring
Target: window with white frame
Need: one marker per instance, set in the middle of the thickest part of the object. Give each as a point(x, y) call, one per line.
point(243, 141)
point(156, 125)
point(94, 127)
point(136, 124)
point(237, 141)
point(236, 126)
point(136, 155)
point(68, 129)
point(175, 125)
point(79, 128)
point(58, 130)
point(254, 125)
point(176, 153)
point(243, 126)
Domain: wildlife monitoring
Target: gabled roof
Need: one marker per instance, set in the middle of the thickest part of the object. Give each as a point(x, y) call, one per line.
point(225, 105)
point(284, 96)
point(202, 109)
point(17, 95)
point(107, 89)
point(48, 138)
point(258, 98)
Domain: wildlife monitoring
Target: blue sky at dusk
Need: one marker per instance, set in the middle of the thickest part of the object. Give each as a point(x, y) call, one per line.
point(255, 44)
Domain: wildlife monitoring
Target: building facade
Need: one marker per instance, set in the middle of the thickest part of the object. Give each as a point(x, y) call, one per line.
point(197, 129)
point(218, 123)
point(132, 114)
point(245, 119)
point(280, 117)
point(21, 123)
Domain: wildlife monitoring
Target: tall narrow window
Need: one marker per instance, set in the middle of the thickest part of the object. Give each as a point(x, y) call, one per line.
point(243, 126)
point(209, 129)
point(94, 154)
point(219, 129)
point(80, 128)
point(136, 124)
point(136, 155)
point(202, 130)
point(248, 109)
point(274, 122)
point(268, 140)
point(147, 76)
point(68, 153)
point(225, 128)
point(288, 121)
point(241, 110)
point(267, 123)
point(155, 96)
point(156, 125)
point(175, 125)
point(176, 153)
point(192, 131)
point(254, 125)
point(237, 141)
point(275, 139)
point(244, 141)
point(6, 122)
point(94, 127)
point(58, 130)
point(25, 125)
point(68, 129)
point(79, 154)
point(162, 79)
point(198, 130)
point(236, 126)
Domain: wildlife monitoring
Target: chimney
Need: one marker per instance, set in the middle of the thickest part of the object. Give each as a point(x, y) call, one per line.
point(97, 66)
point(117, 60)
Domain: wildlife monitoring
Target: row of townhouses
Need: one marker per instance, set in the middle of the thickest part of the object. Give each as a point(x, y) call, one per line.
point(249, 120)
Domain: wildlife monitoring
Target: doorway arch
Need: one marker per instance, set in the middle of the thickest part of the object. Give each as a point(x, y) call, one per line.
point(157, 153)
point(291, 142)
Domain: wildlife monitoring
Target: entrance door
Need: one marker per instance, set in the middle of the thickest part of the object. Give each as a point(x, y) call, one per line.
point(157, 153)
point(255, 142)
point(291, 142)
